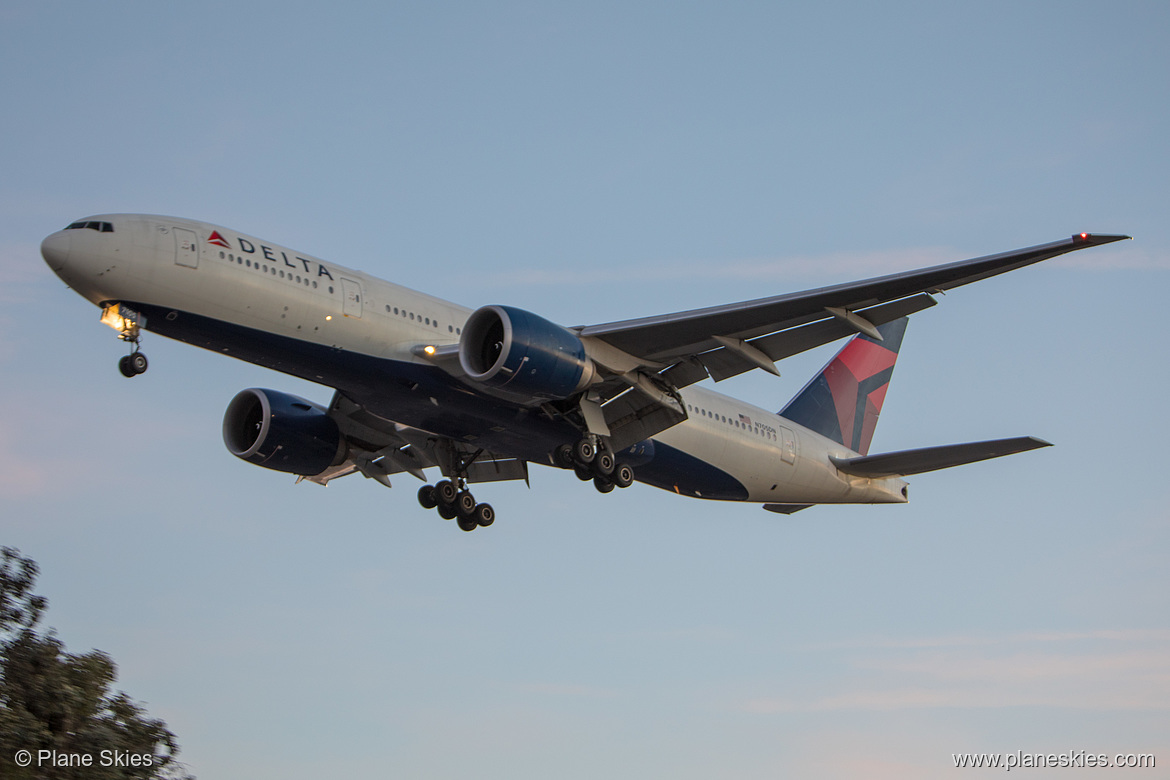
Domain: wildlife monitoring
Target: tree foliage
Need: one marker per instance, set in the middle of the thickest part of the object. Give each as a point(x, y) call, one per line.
point(52, 700)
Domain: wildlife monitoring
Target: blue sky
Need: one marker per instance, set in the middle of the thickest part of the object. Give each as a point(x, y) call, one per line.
point(594, 162)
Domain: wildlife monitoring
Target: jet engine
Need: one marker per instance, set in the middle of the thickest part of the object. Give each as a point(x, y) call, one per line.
point(522, 356)
point(282, 432)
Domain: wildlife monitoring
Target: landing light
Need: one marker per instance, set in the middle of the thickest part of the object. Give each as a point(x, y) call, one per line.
point(328, 317)
point(123, 319)
point(429, 350)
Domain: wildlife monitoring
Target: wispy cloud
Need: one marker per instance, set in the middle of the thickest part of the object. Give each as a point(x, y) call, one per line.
point(1095, 670)
point(824, 269)
point(567, 689)
point(39, 451)
point(21, 265)
point(975, 640)
point(840, 266)
point(1120, 257)
point(20, 476)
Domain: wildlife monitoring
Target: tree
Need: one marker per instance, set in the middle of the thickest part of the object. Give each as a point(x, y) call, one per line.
point(52, 700)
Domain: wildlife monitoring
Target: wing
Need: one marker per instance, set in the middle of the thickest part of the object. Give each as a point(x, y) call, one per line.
point(723, 341)
point(643, 363)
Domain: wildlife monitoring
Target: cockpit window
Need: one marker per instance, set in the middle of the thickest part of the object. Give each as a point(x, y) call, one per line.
point(101, 227)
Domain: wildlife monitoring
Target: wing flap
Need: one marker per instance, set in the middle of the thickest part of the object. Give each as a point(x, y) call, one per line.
point(906, 462)
point(786, 509)
point(493, 468)
point(723, 363)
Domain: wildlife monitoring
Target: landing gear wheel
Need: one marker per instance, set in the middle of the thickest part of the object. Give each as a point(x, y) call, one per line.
point(603, 464)
point(446, 511)
point(484, 515)
point(467, 523)
point(446, 492)
point(583, 474)
point(464, 504)
point(623, 475)
point(138, 362)
point(426, 497)
point(603, 485)
point(125, 367)
point(584, 452)
point(563, 456)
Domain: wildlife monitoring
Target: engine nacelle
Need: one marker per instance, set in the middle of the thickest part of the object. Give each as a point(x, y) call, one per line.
point(282, 432)
point(518, 354)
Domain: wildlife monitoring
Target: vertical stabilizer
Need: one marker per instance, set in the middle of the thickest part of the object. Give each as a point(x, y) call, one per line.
point(844, 400)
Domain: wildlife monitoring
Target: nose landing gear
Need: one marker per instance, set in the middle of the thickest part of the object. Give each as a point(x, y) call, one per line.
point(133, 364)
point(128, 323)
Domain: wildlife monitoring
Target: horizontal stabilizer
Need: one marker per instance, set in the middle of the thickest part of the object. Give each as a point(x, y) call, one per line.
point(900, 464)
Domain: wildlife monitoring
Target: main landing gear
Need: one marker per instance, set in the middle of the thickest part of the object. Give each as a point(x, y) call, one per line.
point(454, 502)
point(592, 460)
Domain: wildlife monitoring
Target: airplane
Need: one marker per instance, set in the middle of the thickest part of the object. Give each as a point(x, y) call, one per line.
point(419, 382)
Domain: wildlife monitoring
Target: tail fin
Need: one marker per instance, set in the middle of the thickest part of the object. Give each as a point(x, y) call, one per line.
point(844, 400)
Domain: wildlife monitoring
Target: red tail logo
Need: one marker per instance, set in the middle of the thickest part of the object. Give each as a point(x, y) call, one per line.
point(842, 403)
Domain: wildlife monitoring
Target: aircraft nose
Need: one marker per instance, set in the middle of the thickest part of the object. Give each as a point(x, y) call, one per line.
point(55, 249)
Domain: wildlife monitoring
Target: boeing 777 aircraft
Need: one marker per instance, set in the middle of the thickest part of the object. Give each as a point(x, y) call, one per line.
point(420, 382)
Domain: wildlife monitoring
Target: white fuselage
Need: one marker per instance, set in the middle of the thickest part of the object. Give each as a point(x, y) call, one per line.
point(182, 270)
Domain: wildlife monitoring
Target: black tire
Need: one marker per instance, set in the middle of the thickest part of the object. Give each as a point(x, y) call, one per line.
point(484, 515)
point(446, 492)
point(426, 497)
point(603, 464)
point(464, 504)
point(563, 456)
point(583, 474)
point(446, 511)
point(467, 523)
point(623, 475)
point(602, 484)
point(139, 363)
point(584, 452)
point(125, 367)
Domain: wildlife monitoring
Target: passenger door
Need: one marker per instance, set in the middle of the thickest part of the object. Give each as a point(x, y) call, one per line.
point(351, 298)
point(186, 248)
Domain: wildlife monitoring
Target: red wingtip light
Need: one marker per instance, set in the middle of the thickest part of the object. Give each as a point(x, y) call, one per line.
point(1084, 236)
